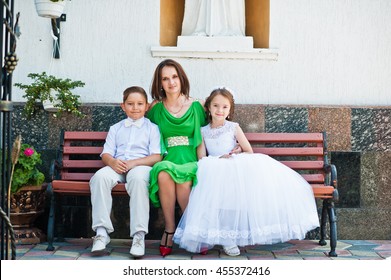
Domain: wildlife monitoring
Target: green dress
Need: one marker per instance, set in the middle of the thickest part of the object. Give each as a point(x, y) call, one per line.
point(179, 140)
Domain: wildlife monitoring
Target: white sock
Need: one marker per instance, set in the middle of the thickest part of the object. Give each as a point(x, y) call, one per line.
point(101, 231)
point(140, 234)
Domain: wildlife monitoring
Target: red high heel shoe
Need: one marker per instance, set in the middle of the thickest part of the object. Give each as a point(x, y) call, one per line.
point(165, 249)
point(204, 251)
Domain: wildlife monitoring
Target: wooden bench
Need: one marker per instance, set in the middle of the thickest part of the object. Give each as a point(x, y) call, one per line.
point(307, 154)
point(78, 159)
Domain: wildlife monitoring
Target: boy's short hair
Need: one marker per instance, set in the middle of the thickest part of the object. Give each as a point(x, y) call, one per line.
point(134, 89)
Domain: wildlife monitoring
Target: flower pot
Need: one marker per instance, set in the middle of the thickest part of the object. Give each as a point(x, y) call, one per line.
point(26, 206)
point(49, 105)
point(49, 9)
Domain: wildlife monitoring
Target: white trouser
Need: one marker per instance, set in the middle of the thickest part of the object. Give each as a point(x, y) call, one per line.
point(137, 181)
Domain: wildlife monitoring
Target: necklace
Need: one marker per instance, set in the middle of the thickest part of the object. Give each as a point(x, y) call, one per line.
point(175, 114)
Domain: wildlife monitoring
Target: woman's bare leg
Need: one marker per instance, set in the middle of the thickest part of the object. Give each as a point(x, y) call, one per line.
point(183, 193)
point(167, 198)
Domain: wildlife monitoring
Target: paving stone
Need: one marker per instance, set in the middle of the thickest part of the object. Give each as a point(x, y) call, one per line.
point(79, 249)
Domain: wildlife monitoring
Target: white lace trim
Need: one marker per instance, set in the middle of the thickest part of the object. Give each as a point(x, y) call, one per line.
point(214, 133)
point(266, 233)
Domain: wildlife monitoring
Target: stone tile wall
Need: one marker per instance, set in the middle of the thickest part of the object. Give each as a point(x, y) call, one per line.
point(359, 142)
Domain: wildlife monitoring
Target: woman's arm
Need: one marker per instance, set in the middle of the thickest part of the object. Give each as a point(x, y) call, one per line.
point(201, 150)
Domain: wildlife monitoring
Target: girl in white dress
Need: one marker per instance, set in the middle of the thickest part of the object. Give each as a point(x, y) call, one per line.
point(241, 199)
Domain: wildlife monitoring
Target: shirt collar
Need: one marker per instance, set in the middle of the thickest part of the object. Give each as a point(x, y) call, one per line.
point(138, 123)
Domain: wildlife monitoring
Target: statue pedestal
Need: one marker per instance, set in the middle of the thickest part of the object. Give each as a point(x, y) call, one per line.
point(221, 43)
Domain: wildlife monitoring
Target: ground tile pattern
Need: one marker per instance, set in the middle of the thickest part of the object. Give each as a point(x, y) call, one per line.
point(118, 249)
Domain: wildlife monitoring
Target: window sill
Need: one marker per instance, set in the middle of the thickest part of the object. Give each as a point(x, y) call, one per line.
point(259, 54)
point(220, 47)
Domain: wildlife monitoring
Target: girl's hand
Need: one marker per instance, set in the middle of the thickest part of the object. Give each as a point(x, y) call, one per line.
point(226, 156)
point(236, 150)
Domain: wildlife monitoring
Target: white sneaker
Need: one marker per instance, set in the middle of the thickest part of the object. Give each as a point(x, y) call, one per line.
point(231, 250)
point(138, 246)
point(99, 243)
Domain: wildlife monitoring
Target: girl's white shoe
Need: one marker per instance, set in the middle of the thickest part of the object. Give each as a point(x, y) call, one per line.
point(231, 250)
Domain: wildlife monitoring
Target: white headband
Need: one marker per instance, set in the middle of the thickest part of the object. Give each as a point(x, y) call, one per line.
point(224, 87)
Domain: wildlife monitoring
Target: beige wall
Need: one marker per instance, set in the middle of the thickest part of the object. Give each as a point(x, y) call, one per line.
point(330, 53)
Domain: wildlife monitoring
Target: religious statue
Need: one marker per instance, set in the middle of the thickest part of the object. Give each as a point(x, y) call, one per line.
point(214, 18)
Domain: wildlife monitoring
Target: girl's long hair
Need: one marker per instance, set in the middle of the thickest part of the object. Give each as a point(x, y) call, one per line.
point(225, 93)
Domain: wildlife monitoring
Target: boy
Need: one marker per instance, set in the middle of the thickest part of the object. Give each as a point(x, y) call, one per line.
point(132, 147)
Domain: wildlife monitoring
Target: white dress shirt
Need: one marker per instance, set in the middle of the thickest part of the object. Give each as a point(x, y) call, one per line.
point(126, 141)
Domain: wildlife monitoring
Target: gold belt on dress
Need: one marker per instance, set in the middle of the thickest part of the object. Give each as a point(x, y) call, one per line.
point(178, 141)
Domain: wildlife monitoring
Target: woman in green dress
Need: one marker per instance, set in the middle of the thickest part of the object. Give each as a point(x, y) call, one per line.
point(179, 118)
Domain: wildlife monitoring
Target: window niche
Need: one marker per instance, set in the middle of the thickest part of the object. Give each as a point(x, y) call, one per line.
point(257, 14)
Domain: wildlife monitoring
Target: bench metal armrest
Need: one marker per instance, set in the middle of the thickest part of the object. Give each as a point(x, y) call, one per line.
point(333, 171)
point(54, 171)
point(332, 180)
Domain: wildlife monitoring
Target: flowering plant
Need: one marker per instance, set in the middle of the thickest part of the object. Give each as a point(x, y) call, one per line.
point(26, 171)
point(50, 88)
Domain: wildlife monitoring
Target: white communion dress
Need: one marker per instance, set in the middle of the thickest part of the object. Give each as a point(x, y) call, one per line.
point(246, 199)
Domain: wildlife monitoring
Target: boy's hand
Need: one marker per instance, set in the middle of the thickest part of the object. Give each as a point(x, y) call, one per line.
point(130, 164)
point(119, 166)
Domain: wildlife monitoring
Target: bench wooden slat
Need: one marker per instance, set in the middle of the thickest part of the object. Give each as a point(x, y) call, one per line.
point(314, 178)
point(76, 176)
point(81, 188)
point(304, 151)
point(304, 165)
point(322, 191)
point(82, 163)
point(85, 135)
point(284, 137)
point(82, 150)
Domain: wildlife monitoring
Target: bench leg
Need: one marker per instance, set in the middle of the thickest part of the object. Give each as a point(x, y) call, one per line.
point(50, 230)
point(60, 220)
point(333, 228)
point(323, 222)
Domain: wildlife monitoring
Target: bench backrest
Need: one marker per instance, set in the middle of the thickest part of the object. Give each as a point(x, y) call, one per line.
point(304, 152)
point(81, 154)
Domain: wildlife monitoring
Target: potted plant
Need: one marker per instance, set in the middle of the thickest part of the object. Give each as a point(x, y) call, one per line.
point(25, 171)
point(50, 88)
point(50, 8)
point(26, 193)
